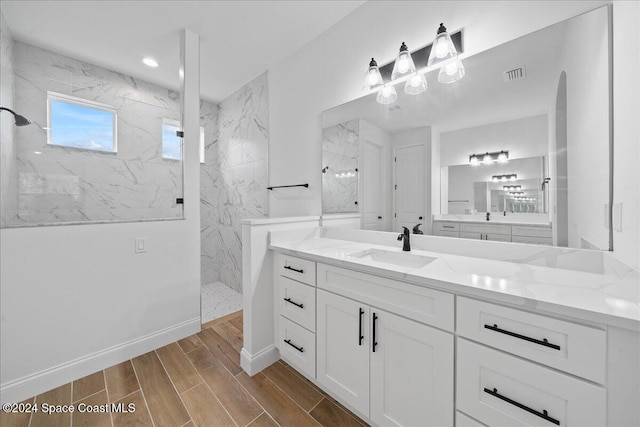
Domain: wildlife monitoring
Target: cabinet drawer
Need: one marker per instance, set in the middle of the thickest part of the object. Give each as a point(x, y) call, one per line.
point(519, 230)
point(502, 390)
point(573, 348)
point(297, 346)
point(297, 269)
point(486, 236)
point(482, 228)
point(444, 233)
point(532, 240)
point(297, 302)
point(412, 301)
point(446, 226)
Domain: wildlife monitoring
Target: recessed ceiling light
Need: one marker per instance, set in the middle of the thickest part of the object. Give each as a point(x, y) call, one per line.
point(150, 62)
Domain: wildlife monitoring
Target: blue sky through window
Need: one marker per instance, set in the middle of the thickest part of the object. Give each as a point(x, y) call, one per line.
point(171, 143)
point(81, 126)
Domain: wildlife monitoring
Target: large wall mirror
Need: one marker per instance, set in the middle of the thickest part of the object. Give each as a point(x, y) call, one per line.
point(538, 109)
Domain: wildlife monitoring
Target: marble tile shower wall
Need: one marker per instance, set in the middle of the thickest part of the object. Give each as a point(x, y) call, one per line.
point(234, 180)
point(340, 147)
point(58, 184)
point(8, 176)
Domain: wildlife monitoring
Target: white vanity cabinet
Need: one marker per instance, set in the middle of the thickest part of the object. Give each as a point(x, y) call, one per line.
point(534, 234)
point(379, 351)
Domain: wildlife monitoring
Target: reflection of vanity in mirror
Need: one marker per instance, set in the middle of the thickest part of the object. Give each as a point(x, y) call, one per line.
point(518, 150)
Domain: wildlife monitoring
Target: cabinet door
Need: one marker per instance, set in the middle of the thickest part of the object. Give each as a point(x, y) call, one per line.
point(342, 355)
point(411, 373)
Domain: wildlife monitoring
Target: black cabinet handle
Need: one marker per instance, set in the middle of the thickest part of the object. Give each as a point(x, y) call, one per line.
point(360, 336)
point(294, 303)
point(543, 342)
point(420, 217)
point(300, 349)
point(294, 269)
point(375, 342)
point(379, 217)
point(448, 226)
point(544, 414)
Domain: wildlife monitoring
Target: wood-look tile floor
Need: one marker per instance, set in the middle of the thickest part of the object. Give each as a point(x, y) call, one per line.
point(196, 381)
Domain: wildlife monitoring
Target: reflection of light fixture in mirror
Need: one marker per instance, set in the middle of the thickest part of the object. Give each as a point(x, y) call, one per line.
point(512, 187)
point(451, 72)
point(404, 65)
point(525, 199)
point(345, 174)
point(442, 49)
point(387, 95)
point(503, 178)
point(489, 158)
point(373, 79)
point(150, 62)
point(416, 85)
point(516, 193)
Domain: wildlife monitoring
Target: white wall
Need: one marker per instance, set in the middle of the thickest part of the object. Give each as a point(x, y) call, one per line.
point(330, 70)
point(77, 299)
point(523, 138)
point(626, 126)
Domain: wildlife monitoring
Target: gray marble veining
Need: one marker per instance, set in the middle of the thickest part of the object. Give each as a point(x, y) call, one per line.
point(233, 178)
point(57, 184)
point(340, 148)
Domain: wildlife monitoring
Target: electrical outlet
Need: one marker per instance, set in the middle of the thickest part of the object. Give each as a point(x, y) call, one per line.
point(606, 216)
point(141, 245)
point(617, 217)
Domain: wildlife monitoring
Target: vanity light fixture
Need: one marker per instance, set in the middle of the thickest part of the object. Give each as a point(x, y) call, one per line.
point(416, 84)
point(150, 62)
point(442, 49)
point(489, 158)
point(451, 72)
point(504, 178)
point(373, 78)
point(516, 193)
point(387, 95)
point(512, 187)
point(404, 65)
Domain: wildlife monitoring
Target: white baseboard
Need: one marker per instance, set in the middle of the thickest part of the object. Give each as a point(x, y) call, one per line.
point(31, 385)
point(252, 364)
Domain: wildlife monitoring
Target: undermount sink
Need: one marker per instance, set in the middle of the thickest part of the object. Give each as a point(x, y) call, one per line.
point(401, 259)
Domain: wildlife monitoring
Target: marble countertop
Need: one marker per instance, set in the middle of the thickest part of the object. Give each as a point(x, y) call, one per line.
point(612, 298)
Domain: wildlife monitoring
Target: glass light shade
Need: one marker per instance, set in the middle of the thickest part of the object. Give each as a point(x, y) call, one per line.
point(404, 65)
point(416, 85)
point(487, 160)
point(373, 78)
point(495, 179)
point(387, 95)
point(474, 161)
point(451, 72)
point(442, 48)
point(503, 157)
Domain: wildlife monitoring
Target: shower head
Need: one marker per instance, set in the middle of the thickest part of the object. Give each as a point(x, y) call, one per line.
point(20, 120)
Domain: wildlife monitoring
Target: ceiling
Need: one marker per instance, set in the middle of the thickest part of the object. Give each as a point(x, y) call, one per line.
point(239, 40)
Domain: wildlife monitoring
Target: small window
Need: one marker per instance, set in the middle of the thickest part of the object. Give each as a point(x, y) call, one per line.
point(78, 123)
point(172, 144)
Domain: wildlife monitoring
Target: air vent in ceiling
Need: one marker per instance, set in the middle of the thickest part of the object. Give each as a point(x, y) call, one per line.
point(517, 73)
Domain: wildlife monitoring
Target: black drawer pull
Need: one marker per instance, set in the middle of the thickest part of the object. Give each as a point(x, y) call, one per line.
point(375, 337)
point(543, 414)
point(300, 349)
point(294, 303)
point(543, 342)
point(294, 269)
point(360, 336)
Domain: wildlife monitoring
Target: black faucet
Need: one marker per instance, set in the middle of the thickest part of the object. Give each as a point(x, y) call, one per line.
point(488, 214)
point(406, 244)
point(416, 229)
